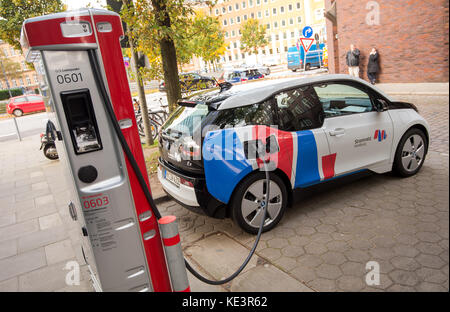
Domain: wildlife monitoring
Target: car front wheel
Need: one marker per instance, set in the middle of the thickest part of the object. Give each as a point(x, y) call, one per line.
point(411, 152)
point(249, 199)
point(17, 112)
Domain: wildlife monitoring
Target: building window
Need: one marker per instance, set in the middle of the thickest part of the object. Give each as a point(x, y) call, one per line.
point(224, 10)
point(250, 3)
point(226, 34)
point(275, 25)
point(270, 51)
point(21, 82)
point(299, 19)
point(299, 6)
point(235, 45)
point(291, 21)
point(259, 14)
point(274, 11)
point(243, 55)
point(266, 1)
point(225, 22)
point(233, 33)
point(244, 5)
point(319, 13)
point(252, 15)
point(239, 32)
point(231, 21)
point(285, 49)
point(238, 19)
point(283, 23)
point(258, 2)
point(28, 81)
point(277, 37)
point(14, 83)
point(267, 13)
point(290, 7)
point(236, 7)
point(230, 8)
point(282, 9)
point(268, 26)
point(217, 12)
point(245, 17)
point(284, 35)
point(292, 34)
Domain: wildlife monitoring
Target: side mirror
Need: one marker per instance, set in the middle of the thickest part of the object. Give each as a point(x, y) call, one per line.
point(381, 105)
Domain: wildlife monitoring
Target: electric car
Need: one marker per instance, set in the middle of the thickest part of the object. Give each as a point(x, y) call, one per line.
point(217, 144)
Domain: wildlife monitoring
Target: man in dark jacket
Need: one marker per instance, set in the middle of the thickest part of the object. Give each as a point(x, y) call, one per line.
point(352, 59)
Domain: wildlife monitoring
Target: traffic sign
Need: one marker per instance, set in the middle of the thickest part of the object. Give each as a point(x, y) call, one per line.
point(307, 32)
point(306, 43)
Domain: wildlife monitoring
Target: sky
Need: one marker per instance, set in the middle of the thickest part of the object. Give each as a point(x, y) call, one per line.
point(76, 4)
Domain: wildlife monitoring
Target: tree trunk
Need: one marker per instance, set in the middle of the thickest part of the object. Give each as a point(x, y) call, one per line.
point(140, 87)
point(168, 56)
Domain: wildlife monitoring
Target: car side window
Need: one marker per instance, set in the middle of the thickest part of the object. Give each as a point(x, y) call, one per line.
point(34, 98)
point(342, 99)
point(299, 109)
point(20, 100)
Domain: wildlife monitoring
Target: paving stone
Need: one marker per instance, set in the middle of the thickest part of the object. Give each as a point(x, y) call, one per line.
point(328, 271)
point(50, 221)
point(59, 251)
point(18, 230)
point(405, 263)
point(7, 219)
point(332, 257)
point(350, 283)
point(8, 248)
point(404, 278)
point(41, 238)
point(430, 261)
point(11, 285)
point(322, 284)
point(49, 278)
point(304, 274)
point(22, 263)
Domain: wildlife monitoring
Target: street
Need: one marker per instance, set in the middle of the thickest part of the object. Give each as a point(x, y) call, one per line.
point(323, 243)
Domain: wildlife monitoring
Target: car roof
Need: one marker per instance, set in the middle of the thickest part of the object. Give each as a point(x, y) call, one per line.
point(260, 94)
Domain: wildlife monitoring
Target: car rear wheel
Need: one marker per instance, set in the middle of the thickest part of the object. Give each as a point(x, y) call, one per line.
point(17, 112)
point(249, 198)
point(411, 152)
point(307, 67)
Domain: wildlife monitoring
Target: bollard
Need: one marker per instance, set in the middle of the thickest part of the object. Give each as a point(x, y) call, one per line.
point(17, 129)
point(174, 254)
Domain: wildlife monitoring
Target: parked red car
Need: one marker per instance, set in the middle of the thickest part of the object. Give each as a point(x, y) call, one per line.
point(23, 104)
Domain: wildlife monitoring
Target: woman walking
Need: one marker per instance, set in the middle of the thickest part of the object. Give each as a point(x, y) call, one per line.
point(373, 67)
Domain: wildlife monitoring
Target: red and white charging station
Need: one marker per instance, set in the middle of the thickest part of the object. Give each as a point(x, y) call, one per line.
point(123, 244)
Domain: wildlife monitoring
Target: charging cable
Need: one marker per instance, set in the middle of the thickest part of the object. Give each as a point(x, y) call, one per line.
point(110, 111)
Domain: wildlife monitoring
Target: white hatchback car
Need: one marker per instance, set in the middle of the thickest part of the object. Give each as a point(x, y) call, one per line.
point(311, 129)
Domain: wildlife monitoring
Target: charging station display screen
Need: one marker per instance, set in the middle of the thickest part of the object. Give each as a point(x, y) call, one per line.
point(81, 120)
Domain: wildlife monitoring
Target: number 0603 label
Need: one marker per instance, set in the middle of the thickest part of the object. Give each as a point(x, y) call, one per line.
point(95, 201)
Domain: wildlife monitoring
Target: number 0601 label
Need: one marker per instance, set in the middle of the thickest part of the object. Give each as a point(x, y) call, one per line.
point(95, 201)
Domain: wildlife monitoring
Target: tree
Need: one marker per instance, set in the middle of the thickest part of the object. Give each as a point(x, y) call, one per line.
point(253, 36)
point(209, 40)
point(14, 12)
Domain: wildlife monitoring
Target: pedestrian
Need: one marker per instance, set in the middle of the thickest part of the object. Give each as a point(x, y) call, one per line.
point(373, 67)
point(353, 61)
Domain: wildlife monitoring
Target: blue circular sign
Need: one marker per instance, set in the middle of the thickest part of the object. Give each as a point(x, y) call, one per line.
point(307, 32)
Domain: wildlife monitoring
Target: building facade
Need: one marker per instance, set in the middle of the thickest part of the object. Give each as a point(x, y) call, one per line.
point(26, 78)
point(284, 21)
point(411, 37)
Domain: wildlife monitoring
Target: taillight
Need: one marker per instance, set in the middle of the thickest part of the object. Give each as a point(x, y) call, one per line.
point(186, 182)
point(262, 76)
point(301, 62)
point(244, 79)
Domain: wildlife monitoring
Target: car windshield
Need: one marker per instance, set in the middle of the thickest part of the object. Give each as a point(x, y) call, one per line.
point(185, 121)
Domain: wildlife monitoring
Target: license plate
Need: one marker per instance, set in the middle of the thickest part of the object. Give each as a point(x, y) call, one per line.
point(172, 178)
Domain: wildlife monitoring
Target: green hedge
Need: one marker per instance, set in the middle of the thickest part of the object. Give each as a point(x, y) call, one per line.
point(4, 94)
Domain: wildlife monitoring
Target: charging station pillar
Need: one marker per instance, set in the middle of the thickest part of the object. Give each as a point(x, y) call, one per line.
point(115, 218)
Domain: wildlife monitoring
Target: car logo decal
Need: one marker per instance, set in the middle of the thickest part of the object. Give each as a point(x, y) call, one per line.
point(380, 135)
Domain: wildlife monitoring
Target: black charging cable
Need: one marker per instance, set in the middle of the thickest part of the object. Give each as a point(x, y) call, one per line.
point(110, 111)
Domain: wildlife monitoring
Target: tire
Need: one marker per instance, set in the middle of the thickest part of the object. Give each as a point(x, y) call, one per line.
point(50, 152)
point(411, 152)
point(17, 112)
point(294, 70)
point(246, 202)
point(140, 126)
point(307, 67)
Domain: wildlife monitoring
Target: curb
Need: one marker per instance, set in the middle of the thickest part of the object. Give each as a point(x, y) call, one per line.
point(161, 199)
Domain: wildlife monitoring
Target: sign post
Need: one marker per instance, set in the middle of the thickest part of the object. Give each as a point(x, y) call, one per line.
point(306, 44)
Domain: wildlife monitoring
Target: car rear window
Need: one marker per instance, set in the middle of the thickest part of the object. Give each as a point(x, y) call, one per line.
point(256, 114)
point(20, 100)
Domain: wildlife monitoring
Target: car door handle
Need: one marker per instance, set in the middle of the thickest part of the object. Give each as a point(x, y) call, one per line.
point(337, 132)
